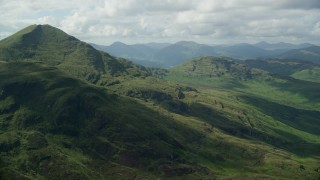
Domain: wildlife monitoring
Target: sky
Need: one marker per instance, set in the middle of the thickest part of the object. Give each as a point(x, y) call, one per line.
point(141, 21)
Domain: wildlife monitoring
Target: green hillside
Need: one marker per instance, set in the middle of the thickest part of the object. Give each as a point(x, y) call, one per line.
point(51, 46)
point(54, 126)
point(311, 74)
point(67, 129)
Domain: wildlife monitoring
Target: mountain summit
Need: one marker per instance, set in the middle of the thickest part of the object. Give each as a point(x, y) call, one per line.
point(52, 46)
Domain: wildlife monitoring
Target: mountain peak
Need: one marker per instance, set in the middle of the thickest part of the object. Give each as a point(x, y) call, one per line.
point(36, 34)
point(118, 43)
point(186, 43)
point(49, 45)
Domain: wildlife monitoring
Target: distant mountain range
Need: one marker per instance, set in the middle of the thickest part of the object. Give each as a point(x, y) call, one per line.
point(169, 55)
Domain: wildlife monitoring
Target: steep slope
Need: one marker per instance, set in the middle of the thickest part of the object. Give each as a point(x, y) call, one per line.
point(311, 54)
point(56, 127)
point(51, 46)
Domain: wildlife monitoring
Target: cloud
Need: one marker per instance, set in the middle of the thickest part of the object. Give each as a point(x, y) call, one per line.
point(298, 4)
point(135, 21)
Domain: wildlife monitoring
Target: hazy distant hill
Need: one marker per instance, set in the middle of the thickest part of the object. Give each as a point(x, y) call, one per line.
point(243, 51)
point(181, 51)
point(128, 51)
point(168, 55)
point(157, 45)
point(311, 54)
point(281, 46)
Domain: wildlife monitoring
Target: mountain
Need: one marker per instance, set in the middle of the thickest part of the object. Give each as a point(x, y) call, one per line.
point(209, 118)
point(157, 54)
point(139, 53)
point(281, 46)
point(157, 46)
point(53, 47)
point(181, 51)
point(128, 51)
point(243, 51)
point(311, 54)
point(169, 55)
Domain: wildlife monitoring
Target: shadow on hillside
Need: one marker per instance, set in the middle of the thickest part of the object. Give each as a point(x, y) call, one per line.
point(307, 89)
point(297, 145)
point(304, 120)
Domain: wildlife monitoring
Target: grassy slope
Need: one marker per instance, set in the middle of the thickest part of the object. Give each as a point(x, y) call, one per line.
point(234, 119)
point(271, 99)
point(50, 121)
point(312, 74)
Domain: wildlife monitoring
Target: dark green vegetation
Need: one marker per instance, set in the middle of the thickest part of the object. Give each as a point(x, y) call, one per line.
point(208, 118)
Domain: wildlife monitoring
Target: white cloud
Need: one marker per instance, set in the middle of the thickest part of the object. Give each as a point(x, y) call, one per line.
point(209, 21)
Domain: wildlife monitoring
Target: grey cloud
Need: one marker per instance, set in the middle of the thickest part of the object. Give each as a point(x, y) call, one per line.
point(225, 21)
point(299, 4)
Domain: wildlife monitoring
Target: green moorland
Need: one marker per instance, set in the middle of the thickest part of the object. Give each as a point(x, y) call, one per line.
point(210, 118)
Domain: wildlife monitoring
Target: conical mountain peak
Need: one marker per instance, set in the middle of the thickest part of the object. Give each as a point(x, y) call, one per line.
point(51, 46)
